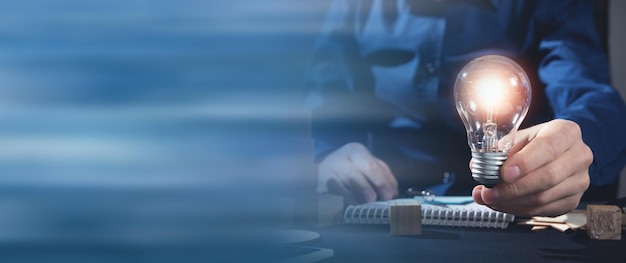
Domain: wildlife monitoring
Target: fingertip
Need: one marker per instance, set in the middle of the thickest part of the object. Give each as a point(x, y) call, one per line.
point(476, 194)
point(386, 194)
point(489, 195)
point(369, 195)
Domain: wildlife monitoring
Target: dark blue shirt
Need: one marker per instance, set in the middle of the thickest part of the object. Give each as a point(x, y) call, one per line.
point(382, 74)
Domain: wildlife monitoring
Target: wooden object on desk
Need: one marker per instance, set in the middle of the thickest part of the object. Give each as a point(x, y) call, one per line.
point(405, 218)
point(604, 222)
point(328, 209)
point(319, 210)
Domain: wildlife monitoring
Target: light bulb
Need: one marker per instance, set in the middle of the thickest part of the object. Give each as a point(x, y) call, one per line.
point(492, 95)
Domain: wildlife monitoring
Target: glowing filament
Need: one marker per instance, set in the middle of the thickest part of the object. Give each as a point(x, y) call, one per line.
point(490, 91)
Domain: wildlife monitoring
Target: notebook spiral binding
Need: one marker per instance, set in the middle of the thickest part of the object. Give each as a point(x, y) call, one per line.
point(377, 214)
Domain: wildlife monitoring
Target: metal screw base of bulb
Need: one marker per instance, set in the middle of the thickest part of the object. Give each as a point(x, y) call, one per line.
point(486, 167)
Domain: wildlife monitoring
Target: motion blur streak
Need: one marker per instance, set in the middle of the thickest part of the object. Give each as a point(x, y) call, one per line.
point(150, 131)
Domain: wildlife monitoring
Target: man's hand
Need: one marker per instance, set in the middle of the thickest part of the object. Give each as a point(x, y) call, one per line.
point(352, 172)
point(546, 172)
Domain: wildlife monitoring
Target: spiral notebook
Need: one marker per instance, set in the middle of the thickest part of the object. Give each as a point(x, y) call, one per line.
point(438, 213)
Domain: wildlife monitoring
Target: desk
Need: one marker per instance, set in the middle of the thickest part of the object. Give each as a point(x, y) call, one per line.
point(373, 243)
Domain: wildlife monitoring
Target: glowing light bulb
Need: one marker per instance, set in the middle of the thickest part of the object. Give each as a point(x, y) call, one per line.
point(492, 95)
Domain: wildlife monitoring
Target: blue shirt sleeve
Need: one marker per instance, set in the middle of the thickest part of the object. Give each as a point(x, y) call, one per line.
point(577, 83)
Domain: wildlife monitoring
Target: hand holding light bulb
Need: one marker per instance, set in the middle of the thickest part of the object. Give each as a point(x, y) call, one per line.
point(541, 170)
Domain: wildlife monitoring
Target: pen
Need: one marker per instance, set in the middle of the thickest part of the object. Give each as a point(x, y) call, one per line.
point(425, 194)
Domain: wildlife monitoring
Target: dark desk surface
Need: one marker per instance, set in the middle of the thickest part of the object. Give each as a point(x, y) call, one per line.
point(373, 243)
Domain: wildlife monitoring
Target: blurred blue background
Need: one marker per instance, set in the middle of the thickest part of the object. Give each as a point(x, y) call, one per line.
point(137, 131)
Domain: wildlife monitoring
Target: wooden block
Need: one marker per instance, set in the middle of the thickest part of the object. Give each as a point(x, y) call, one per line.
point(329, 210)
point(405, 218)
point(604, 222)
point(319, 210)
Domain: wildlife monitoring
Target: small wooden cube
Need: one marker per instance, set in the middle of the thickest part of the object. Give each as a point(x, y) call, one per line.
point(319, 210)
point(405, 218)
point(604, 222)
point(328, 210)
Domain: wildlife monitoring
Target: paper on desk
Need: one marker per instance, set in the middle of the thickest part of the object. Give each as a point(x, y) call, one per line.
point(576, 220)
point(547, 219)
point(573, 221)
